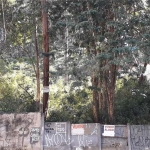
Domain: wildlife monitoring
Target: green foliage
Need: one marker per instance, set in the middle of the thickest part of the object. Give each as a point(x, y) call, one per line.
point(16, 94)
point(75, 107)
point(93, 24)
point(3, 68)
point(132, 103)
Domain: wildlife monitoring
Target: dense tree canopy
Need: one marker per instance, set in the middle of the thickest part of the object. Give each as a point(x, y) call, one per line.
point(108, 40)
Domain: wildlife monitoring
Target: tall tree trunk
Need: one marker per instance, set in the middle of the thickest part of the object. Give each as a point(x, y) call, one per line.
point(4, 22)
point(37, 71)
point(111, 91)
point(95, 99)
point(103, 82)
point(46, 59)
point(101, 87)
point(95, 78)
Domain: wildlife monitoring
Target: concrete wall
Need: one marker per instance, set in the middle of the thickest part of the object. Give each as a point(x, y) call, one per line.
point(20, 131)
point(85, 136)
point(117, 142)
point(28, 131)
point(56, 136)
point(89, 136)
point(139, 138)
point(66, 136)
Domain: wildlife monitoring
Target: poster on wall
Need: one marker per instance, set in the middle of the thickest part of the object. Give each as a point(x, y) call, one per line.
point(77, 129)
point(34, 135)
point(109, 130)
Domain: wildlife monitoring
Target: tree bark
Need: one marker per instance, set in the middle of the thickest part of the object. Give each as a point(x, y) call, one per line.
point(111, 91)
point(46, 59)
point(4, 22)
point(38, 96)
point(95, 99)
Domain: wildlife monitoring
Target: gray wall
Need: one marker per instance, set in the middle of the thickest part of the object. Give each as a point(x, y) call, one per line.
point(66, 136)
point(28, 131)
point(20, 131)
point(56, 136)
point(118, 142)
point(139, 138)
point(85, 136)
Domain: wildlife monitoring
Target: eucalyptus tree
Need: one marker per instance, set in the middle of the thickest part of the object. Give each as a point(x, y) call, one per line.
point(22, 21)
point(106, 38)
